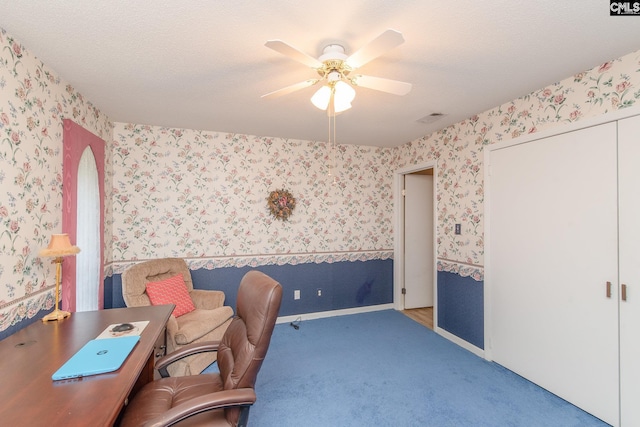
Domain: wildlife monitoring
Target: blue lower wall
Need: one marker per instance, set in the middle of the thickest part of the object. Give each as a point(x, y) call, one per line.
point(345, 284)
point(461, 307)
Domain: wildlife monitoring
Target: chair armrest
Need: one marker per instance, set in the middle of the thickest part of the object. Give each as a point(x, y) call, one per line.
point(207, 402)
point(207, 299)
point(187, 350)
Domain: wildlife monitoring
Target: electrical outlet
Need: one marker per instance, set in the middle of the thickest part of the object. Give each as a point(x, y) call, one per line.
point(319, 292)
point(296, 294)
point(458, 229)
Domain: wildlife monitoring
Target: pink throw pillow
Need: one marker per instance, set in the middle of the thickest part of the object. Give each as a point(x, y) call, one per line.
point(171, 291)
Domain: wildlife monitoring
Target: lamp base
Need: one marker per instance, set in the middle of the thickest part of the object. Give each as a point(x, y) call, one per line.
point(56, 315)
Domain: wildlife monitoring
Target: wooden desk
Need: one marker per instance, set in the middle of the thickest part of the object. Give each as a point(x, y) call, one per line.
point(28, 395)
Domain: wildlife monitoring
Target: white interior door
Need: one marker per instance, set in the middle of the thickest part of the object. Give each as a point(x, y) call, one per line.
point(418, 238)
point(553, 246)
point(629, 200)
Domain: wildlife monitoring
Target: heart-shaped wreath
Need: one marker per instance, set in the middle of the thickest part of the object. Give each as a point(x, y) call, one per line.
point(281, 204)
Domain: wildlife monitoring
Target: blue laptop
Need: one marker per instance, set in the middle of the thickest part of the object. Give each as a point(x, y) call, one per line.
point(98, 356)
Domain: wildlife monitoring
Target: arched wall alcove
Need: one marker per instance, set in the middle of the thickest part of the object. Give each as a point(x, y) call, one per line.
point(77, 142)
point(88, 233)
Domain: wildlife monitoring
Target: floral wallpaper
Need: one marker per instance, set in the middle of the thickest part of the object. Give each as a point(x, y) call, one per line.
point(203, 196)
point(33, 102)
point(458, 149)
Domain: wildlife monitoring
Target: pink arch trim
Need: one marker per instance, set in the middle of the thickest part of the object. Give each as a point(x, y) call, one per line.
point(75, 140)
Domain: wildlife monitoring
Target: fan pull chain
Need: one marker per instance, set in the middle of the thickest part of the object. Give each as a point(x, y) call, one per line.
point(333, 150)
point(329, 156)
point(332, 147)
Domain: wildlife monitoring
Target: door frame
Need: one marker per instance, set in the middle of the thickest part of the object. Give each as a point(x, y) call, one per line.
point(398, 245)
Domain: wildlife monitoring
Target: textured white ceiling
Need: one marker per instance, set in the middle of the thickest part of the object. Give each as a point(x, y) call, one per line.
point(203, 64)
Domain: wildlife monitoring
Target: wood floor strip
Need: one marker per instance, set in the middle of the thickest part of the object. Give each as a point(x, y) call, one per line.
point(424, 316)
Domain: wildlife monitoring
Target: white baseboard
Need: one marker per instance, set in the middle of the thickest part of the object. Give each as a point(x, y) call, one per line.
point(333, 313)
point(462, 343)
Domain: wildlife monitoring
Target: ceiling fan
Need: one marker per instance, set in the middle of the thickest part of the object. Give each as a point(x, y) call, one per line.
point(336, 71)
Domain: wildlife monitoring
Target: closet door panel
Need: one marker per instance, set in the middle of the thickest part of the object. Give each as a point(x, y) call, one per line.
point(629, 217)
point(553, 247)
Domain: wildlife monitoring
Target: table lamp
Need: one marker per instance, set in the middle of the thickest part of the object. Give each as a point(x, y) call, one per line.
point(59, 247)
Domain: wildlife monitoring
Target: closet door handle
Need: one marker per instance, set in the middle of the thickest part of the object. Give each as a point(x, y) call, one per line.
point(608, 289)
point(623, 292)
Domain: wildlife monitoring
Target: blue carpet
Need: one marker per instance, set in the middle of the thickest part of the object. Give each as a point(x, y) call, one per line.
point(382, 368)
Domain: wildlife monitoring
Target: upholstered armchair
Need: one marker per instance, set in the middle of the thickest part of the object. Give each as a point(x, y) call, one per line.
point(200, 315)
point(215, 399)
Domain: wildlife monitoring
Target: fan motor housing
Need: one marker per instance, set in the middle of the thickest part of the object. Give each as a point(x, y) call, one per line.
point(331, 65)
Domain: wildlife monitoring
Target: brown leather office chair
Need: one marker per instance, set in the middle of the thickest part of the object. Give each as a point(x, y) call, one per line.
point(207, 322)
point(215, 399)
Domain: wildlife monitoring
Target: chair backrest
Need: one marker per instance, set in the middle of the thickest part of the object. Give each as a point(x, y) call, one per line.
point(136, 277)
point(246, 340)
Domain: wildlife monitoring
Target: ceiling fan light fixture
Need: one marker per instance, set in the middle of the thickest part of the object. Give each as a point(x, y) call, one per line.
point(343, 96)
point(334, 68)
point(321, 98)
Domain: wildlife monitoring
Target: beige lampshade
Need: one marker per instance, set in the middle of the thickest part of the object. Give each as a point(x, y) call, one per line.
point(59, 246)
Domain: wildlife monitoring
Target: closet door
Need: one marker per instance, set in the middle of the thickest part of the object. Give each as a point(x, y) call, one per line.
point(553, 247)
point(629, 201)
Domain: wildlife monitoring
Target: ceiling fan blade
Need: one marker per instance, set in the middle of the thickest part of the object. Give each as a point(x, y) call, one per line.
point(287, 90)
point(293, 53)
point(385, 85)
point(381, 44)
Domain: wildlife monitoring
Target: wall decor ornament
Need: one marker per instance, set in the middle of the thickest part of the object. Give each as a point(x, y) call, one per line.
point(281, 204)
